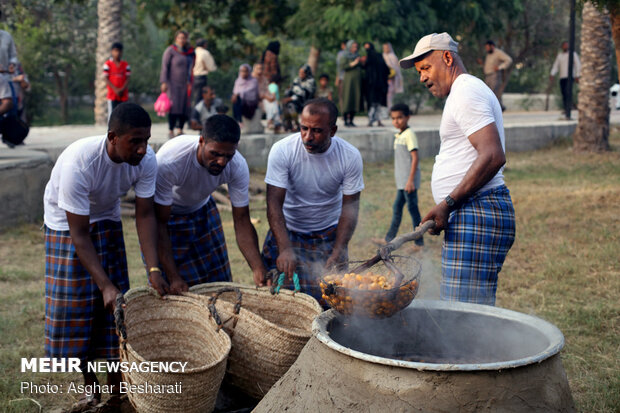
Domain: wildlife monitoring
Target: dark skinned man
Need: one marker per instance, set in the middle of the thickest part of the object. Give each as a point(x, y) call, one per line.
point(192, 248)
point(473, 203)
point(85, 262)
point(313, 181)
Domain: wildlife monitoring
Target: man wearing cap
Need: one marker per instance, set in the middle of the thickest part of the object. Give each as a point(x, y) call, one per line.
point(473, 208)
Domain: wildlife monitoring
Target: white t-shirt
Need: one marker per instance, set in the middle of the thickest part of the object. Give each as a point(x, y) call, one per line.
point(85, 181)
point(470, 106)
point(186, 185)
point(314, 183)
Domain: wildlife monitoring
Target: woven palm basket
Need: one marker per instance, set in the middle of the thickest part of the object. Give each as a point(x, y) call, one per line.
point(176, 329)
point(268, 333)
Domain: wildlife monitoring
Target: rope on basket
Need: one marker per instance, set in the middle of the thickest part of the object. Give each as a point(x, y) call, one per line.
point(237, 309)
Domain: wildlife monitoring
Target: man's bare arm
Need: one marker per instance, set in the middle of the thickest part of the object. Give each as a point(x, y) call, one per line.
point(79, 228)
point(287, 261)
point(247, 240)
point(346, 227)
point(166, 258)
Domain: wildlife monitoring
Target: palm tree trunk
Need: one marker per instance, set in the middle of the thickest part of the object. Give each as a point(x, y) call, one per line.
point(592, 134)
point(108, 32)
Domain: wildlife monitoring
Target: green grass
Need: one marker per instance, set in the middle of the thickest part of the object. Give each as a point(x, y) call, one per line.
point(563, 267)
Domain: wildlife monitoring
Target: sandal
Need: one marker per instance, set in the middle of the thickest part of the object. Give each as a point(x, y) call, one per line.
point(87, 403)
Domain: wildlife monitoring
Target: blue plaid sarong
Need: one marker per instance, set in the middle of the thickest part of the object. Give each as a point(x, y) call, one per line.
point(76, 322)
point(476, 241)
point(312, 250)
point(199, 246)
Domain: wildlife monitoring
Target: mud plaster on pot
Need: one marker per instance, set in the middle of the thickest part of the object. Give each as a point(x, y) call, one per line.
point(324, 380)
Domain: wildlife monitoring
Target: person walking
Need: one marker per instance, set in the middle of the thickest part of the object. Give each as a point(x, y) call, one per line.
point(376, 80)
point(560, 66)
point(473, 205)
point(176, 80)
point(495, 62)
point(204, 65)
point(351, 83)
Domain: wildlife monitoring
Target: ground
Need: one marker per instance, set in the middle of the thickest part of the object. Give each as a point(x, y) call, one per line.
point(563, 267)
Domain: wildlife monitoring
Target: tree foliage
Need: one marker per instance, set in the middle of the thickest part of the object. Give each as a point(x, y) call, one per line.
point(58, 36)
point(55, 46)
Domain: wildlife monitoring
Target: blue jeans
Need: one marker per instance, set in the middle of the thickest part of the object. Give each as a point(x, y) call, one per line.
point(411, 199)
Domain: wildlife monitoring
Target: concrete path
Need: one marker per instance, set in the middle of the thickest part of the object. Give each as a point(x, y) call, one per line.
point(47, 137)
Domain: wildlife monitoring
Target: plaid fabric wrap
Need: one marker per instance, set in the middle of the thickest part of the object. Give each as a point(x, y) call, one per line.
point(76, 322)
point(477, 239)
point(199, 246)
point(312, 251)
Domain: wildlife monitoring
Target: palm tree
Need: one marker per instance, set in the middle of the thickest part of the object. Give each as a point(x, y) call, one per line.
point(592, 134)
point(108, 32)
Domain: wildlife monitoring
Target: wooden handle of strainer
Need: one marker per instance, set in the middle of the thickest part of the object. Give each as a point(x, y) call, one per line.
point(397, 242)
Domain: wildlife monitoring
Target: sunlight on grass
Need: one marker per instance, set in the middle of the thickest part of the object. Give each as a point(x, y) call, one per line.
point(563, 266)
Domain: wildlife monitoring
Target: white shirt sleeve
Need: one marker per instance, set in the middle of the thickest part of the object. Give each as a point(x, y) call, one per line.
point(576, 66)
point(165, 183)
point(210, 62)
point(353, 179)
point(277, 167)
point(239, 185)
point(145, 185)
point(473, 111)
point(73, 190)
point(556, 66)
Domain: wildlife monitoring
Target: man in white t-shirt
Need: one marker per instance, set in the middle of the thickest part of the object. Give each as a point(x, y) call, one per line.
point(313, 181)
point(473, 203)
point(192, 248)
point(85, 262)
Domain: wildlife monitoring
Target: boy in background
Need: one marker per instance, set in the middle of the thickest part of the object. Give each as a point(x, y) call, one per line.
point(116, 72)
point(324, 90)
point(406, 173)
point(271, 103)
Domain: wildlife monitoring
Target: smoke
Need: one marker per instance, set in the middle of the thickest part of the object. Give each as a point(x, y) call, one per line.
point(430, 277)
point(440, 336)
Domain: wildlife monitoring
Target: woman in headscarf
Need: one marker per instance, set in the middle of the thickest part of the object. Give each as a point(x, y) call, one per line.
point(352, 83)
point(395, 80)
point(302, 90)
point(270, 60)
point(176, 79)
point(245, 96)
point(376, 82)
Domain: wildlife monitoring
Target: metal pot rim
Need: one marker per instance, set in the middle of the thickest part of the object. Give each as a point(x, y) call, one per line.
point(553, 334)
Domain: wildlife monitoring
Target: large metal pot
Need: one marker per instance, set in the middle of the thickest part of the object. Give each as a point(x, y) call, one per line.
point(433, 356)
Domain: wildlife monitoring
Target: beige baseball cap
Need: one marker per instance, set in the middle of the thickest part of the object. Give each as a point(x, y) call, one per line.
point(441, 41)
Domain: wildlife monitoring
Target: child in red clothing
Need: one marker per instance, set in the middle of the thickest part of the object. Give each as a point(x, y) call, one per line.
point(116, 72)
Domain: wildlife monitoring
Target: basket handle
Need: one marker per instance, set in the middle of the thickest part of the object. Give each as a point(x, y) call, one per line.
point(119, 317)
point(236, 310)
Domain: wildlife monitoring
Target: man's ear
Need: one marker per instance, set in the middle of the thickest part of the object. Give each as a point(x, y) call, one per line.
point(111, 136)
point(333, 130)
point(447, 58)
